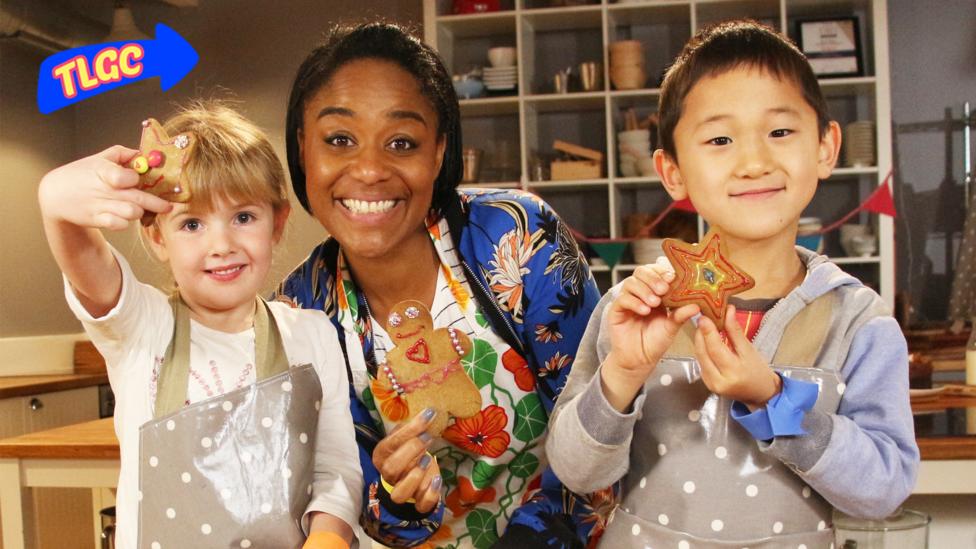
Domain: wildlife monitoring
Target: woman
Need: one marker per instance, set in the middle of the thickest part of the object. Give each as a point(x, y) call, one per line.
point(374, 149)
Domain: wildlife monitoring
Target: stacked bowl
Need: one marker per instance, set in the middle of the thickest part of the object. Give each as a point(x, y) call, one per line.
point(859, 144)
point(627, 70)
point(634, 153)
point(502, 75)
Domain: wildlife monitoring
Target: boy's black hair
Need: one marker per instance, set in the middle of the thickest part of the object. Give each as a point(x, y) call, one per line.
point(388, 42)
point(726, 46)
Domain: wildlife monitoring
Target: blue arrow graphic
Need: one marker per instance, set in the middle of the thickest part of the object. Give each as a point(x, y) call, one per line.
point(74, 75)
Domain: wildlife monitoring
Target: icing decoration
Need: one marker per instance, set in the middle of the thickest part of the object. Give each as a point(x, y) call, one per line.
point(455, 341)
point(160, 164)
point(394, 320)
point(704, 276)
point(418, 352)
point(425, 368)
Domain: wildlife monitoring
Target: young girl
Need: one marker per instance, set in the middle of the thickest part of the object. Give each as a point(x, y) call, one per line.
point(232, 414)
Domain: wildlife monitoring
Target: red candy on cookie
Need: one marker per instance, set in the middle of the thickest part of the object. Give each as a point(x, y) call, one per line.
point(160, 163)
point(703, 275)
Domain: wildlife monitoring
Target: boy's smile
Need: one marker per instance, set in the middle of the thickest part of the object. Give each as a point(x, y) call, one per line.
point(749, 154)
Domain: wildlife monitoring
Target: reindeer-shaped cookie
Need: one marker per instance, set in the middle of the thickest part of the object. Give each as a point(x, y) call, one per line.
point(424, 368)
point(160, 164)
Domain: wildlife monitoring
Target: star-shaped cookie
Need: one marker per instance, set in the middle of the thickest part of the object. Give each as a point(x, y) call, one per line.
point(160, 163)
point(704, 275)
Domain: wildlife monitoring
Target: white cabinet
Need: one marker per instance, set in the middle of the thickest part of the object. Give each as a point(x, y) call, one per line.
point(515, 129)
point(61, 516)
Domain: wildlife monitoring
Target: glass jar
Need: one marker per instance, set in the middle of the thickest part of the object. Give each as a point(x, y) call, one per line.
point(906, 529)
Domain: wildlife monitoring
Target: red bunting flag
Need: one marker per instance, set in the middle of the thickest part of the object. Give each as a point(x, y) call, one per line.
point(880, 201)
point(685, 205)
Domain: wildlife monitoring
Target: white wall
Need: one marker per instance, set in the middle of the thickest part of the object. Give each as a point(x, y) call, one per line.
point(251, 47)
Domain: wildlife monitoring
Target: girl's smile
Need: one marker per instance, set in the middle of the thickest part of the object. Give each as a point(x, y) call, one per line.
point(220, 258)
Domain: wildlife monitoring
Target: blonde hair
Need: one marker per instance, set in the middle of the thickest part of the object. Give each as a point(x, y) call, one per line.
point(233, 159)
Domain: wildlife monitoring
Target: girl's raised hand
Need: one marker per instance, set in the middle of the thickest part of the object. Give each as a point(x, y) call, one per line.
point(735, 370)
point(641, 330)
point(97, 192)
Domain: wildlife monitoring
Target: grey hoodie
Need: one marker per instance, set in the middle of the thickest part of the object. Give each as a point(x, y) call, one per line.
point(859, 454)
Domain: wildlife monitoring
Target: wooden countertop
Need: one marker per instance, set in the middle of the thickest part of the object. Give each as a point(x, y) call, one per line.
point(96, 439)
point(89, 440)
point(15, 386)
point(943, 446)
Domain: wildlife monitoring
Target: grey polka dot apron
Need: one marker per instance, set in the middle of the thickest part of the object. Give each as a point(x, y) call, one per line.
point(678, 496)
point(234, 470)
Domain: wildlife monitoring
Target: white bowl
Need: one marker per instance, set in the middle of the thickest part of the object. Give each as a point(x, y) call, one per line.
point(501, 57)
point(628, 169)
point(647, 250)
point(632, 135)
point(645, 166)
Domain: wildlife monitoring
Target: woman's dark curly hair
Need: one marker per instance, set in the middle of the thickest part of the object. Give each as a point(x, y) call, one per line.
point(388, 42)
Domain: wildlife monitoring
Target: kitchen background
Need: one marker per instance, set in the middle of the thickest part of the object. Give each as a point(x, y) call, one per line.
point(252, 48)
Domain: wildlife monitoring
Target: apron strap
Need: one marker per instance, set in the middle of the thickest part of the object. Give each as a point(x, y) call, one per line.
point(806, 333)
point(800, 343)
point(269, 354)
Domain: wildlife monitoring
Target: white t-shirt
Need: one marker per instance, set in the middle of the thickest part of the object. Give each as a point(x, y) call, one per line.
point(133, 338)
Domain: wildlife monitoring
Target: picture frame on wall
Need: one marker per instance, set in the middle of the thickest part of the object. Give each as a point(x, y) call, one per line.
point(832, 45)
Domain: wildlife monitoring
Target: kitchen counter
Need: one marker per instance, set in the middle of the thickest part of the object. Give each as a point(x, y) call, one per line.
point(88, 440)
point(945, 427)
point(16, 386)
point(86, 455)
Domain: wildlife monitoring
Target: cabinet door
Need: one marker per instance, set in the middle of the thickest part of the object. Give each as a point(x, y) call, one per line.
point(12, 414)
point(12, 423)
point(63, 516)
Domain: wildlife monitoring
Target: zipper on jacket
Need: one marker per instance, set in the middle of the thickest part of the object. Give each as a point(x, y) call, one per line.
point(494, 303)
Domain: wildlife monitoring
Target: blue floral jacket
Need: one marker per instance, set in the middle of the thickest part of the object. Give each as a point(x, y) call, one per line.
point(544, 325)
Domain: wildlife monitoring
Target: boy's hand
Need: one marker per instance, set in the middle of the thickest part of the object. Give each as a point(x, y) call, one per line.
point(641, 330)
point(97, 192)
point(739, 372)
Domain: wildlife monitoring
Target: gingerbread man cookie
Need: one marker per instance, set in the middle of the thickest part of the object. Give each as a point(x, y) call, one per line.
point(160, 164)
point(704, 275)
point(424, 368)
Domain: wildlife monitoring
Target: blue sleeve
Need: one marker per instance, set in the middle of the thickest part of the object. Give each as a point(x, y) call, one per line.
point(782, 415)
point(385, 521)
point(864, 458)
point(560, 294)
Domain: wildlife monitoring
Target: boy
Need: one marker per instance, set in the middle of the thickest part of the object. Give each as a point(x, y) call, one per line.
point(750, 442)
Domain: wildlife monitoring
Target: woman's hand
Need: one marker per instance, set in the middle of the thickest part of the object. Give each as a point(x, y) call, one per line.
point(97, 192)
point(403, 461)
point(641, 330)
point(735, 370)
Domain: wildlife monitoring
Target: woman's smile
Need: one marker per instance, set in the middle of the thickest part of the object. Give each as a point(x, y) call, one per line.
point(371, 149)
point(368, 206)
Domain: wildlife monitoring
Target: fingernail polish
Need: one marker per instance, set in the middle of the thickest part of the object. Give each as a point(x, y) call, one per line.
point(436, 483)
point(425, 461)
point(424, 437)
point(428, 414)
